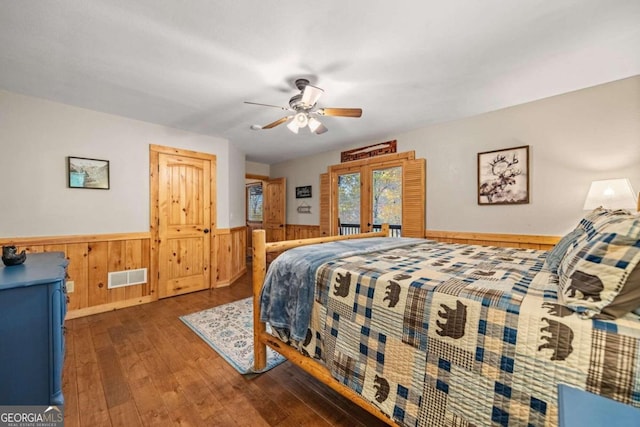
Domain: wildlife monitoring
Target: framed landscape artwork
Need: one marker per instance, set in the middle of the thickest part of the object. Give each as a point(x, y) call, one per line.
point(88, 173)
point(503, 176)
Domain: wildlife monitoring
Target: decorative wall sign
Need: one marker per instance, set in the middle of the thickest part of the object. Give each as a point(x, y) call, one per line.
point(304, 208)
point(303, 192)
point(388, 147)
point(88, 173)
point(503, 176)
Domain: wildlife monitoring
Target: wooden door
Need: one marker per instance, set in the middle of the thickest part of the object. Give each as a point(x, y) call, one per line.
point(184, 223)
point(275, 209)
point(359, 195)
point(383, 194)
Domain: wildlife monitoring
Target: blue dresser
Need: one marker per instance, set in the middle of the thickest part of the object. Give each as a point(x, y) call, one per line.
point(33, 303)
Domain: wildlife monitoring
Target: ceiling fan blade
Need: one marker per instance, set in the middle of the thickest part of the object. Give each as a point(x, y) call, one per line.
point(276, 123)
point(311, 94)
point(267, 105)
point(341, 112)
point(321, 129)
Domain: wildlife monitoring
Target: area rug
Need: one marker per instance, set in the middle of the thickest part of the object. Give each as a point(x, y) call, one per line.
point(228, 329)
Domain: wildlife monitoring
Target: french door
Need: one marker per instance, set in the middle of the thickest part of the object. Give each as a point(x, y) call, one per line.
point(365, 194)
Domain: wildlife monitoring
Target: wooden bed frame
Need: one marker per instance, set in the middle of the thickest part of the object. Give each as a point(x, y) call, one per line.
point(263, 339)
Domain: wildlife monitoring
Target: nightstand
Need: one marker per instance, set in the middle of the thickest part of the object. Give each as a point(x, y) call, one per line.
point(579, 408)
point(33, 303)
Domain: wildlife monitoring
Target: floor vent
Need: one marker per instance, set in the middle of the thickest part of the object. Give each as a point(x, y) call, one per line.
point(119, 279)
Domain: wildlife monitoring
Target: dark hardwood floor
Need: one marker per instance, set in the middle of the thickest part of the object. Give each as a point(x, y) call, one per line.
point(143, 366)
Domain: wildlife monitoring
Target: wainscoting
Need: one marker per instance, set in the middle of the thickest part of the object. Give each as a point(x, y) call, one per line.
point(230, 253)
point(491, 239)
point(92, 257)
point(295, 232)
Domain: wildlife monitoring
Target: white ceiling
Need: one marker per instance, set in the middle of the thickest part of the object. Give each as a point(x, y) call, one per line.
point(190, 64)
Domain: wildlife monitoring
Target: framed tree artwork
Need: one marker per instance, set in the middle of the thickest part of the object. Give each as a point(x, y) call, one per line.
point(503, 176)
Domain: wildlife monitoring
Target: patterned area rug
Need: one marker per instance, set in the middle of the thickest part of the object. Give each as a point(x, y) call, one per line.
point(228, 329)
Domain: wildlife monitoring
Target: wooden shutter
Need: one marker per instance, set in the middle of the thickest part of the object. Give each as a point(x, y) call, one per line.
point(325, 204)
point(413, 198)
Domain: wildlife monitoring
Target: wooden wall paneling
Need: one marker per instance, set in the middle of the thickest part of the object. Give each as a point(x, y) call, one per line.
point(54, 248)
point(529, 241)
point(132, 261)
point(91, 257)
point(223, 255)
point(115, 262)
point(138, 256)
point(230, 254)
point(298, 231)
point(239, 251)
point(98, 268)
point(78, 272)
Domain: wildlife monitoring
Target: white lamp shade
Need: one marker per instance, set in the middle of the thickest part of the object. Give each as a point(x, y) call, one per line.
point(611, 194)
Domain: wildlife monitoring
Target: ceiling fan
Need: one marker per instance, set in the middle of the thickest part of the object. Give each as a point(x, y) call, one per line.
point(304, 110)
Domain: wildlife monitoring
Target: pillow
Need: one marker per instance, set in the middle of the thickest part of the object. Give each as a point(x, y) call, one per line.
point(558, 252)
point(627, 300)
point(597, 271)
point(597, 219)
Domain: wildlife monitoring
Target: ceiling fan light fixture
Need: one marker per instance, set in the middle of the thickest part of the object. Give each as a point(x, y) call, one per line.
point(314, 124)
point(301, 119)
point(304, 111)
point(310, 95)
point(293, 126)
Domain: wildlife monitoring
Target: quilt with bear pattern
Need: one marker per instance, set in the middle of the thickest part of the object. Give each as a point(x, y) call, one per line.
point(438, 334)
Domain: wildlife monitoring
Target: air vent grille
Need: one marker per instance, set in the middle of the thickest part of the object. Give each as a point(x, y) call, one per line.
point(119, 279)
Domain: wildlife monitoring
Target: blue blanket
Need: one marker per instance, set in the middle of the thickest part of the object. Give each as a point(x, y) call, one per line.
point(287, 294)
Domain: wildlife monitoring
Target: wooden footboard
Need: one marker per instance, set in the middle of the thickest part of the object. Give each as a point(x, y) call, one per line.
point(262, 338)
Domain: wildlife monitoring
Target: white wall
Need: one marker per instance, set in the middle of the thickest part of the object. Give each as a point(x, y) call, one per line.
point(36, 137)
point(256, 168)
point(574, 138)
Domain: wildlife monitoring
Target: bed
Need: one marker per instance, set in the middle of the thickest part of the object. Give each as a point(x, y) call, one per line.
point(425, 333)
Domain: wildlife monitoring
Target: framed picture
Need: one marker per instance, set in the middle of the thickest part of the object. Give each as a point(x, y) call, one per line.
point(87, 173)
point(303, 192)
point(503, 176)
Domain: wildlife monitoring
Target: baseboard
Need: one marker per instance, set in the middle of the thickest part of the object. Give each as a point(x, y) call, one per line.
point(88, 311)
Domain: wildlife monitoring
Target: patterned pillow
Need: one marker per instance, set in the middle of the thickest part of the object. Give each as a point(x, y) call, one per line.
point(596, 220)
point(596, 271)
point(555, 255)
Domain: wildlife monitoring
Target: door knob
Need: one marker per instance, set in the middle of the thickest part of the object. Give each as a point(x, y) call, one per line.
point(206, 230)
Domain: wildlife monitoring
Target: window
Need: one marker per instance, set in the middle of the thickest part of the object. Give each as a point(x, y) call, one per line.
point(349, 199)
point(386, 203)
point(254, 202)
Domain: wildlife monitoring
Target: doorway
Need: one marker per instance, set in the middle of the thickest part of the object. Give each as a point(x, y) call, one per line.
point(265, 200)
point(359, 196)
point(183, 215)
